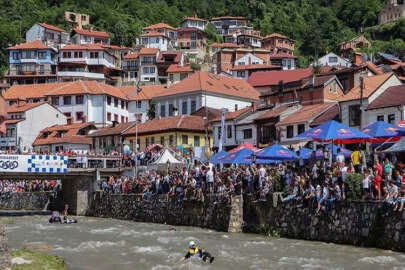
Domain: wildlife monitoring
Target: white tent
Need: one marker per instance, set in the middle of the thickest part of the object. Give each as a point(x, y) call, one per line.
point(166, 158)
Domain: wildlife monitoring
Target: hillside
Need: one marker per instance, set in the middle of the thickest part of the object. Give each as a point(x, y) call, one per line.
point(316, 25)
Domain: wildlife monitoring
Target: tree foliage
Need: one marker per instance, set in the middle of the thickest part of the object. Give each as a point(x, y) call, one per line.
point(318, 26)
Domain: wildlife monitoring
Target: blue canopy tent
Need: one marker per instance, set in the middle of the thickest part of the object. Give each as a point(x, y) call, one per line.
point(335, 132)
point(306, 153)
point(276, 152)
point(215, 158)
point(242, 156)
point(381, 132)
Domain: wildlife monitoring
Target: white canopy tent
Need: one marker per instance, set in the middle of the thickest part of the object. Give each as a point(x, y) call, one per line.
point(166, 158)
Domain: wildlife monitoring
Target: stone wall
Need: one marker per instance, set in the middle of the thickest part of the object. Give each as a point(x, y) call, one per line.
point(24, 200)
point(218, 213)
point(4, 254)
point(353, 223)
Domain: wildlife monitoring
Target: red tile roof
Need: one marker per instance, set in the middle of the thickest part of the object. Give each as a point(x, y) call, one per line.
point(91, 33)
point(177, 59)
point(275, 35)
point(112, 130)
point(23, 107)
point(330, 114)
point(232, 115)
point(225, 45)
point(70, 134)
point(147, 51)
point(177, 69)
point(159, 26)
point(256, 66)
point(3, 107)
point(30, 91)
point(84, 47)
point(131, 56)
point(371, 84)
point(173, 123)
point(282, 55)
point(194, 19)
point(32, 45)
point(204, 81)
point(147, 92)
point(306, 113)
point(250, 35)
point(51, 27)
point(392, 97)
point(227, 18)
point(271, 113)
point(153, 34)
point(267, 78)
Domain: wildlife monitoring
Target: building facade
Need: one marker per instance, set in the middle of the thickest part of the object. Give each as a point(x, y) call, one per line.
point(49, 35)
point(394, 10)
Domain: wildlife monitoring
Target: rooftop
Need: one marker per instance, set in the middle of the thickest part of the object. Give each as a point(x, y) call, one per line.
point(256, 66)
point(23, 107)
point(32, 45)
point(218, 84)
point(112, 130)
point(131, 56)
point(306, 113)
point(177, 69)
point(273, 35)
point(148, 51)
point(225, 45)
point(91, 33)
point(268, 78)
point(160, 25)
point(153, 34)
point(194, 19)
point(53, 28)
point(392, 97)
point(228, 18)
point(147, 92)
point(233, 115)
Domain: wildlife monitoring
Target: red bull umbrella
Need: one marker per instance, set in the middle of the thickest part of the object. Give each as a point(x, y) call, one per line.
point(381, 132)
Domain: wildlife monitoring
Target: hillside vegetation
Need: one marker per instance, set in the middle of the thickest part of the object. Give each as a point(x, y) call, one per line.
point(317, 26)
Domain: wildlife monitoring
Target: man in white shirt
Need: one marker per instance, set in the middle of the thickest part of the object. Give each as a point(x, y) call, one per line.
point(340, 158)
point(210, 179)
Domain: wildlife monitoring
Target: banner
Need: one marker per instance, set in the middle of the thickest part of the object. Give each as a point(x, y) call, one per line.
point(33, 163)
point(221, 139)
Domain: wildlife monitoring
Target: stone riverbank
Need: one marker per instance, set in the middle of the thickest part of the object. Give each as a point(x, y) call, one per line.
point(24, 200)
point(5, 262)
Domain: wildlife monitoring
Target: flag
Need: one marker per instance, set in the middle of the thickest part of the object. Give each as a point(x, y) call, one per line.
point(221, 139)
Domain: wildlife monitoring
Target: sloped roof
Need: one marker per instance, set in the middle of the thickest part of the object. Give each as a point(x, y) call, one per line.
point(282, 55)
point(329, 114)
point(131, 56)
point(177, 69)
point(276, 35)
point(159, 26)
point(232, 115)
point(153, 34)
point(147, 91)
point(393, 96)
point(23, 107)
point(267, 78)
point(52, 27)
point(256, 66)
point(146, 51)
point(371, 84)
point(112, 130)
point(306, 113)
point(84, 47)
point(225, 45)
point(3, 110)
point(218, 84)
point(194, 19)
point(228, 18)
point(91, 33)
point(180, 122)
point(32, 45)
point(272, 112)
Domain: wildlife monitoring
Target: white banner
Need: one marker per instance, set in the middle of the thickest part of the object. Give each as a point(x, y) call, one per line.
point(33, 163)
point(221, 139)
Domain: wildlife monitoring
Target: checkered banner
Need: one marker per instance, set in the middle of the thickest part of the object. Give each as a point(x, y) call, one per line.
point(33, 163)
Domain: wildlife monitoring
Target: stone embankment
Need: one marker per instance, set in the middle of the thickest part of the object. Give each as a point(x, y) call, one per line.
point(218, 213)
point(354, 223)
point(24, 200)
point(5, 262)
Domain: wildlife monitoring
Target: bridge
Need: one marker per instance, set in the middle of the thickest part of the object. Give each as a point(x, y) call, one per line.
point(77, 184)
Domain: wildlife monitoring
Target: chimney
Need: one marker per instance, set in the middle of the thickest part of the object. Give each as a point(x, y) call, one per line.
point(357, 59)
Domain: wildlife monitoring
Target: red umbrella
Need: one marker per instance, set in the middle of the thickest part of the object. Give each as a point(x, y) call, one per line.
point(242, 146)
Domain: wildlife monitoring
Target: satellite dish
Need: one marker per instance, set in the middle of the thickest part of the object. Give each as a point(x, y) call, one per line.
point(364, 57)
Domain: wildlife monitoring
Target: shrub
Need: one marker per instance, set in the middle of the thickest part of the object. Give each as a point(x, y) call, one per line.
point(353, 186)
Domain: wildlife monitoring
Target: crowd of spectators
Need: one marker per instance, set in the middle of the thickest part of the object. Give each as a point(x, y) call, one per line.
point(8, 187)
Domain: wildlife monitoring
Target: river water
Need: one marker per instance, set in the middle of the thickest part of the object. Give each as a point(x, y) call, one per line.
point(106, 244)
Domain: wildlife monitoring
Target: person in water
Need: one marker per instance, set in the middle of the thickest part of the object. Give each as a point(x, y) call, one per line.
point(65, 217)
point(55, 218)
point(198, 252)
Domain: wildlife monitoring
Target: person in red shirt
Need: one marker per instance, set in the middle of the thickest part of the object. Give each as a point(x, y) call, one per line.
point(378, 177)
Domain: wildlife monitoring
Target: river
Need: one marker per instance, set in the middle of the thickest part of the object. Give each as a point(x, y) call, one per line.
point(106, 244)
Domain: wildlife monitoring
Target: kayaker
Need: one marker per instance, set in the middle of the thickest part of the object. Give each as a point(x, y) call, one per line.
point(195, 251)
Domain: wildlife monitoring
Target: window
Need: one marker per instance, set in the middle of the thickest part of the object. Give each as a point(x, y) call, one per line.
point(41, 69)
point(162, 110)
point(116, 117)
point(354, 115)
point(84, 18)
point(183, 76)
point(139, 104)
point(333, 59)
point(391, 118)
point(93, 54)
point(152, 140)
point(108, 100)
point(115, 102)
point(171, 140)
point(241, 63)
point(247, 133)
point(229, 132)
point(16, 55)
point(162, 140)
point(41, 55)
point(196, 141)
point(78, 54)
point(55, 101)
point(171, 109)
point(79, 116)
point(67, 100)
point(301, 128)
point(380, 117)
point(290, 131)
point(108, 116)
point(80, 99)
point(66, 54)
point(67, 114)
point(193, 106)
point(184, 107)
point(171, 77)
point(122, 119)
point(184, 139)
point(240, 74)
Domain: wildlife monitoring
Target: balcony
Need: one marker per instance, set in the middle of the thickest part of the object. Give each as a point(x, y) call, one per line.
point(83, 74)
point(148, 62)
point(131, 68)
point(8, 142)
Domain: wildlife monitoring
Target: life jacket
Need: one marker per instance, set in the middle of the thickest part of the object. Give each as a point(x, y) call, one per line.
point(193, 252)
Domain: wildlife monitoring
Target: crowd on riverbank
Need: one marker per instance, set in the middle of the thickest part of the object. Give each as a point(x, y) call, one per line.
point(316, 182)
point(8, 187)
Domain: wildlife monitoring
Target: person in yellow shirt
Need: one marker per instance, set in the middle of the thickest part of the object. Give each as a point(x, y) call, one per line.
point(356, 157)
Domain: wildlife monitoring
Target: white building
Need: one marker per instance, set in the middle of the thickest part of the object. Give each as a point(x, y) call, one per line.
point(155, 40)
point(205, 89)
point(25, 121)
point(354, 104)
point(79, 101)
point(164, 29)
point(48, 34)
point(194, 22)
point(148, 70)
point(331, 60)
point(81, 37)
